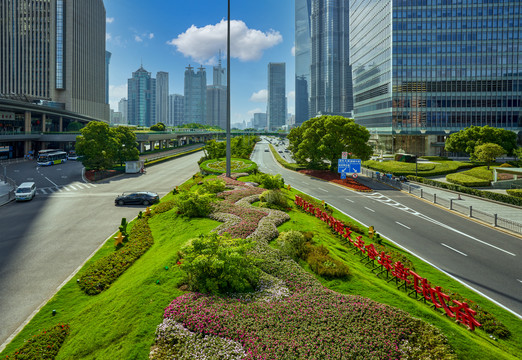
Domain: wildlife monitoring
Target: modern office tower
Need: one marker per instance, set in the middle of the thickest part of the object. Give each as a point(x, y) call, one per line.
point(54, 50)
point(219, 74)
point(176, 110)
point(259, 122)
point(195, 92)
point(162, 96)
point(122, 107)
point(108, 55)
point(422, 72)
point(141, 99)
point(303, 58)
point(116, 118)
point(217, 106)
point(331, 74)
point(276, 100)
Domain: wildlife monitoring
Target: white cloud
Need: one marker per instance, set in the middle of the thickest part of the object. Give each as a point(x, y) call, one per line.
point(116, 93)
point(202, 44)
point(251, 113)
point(293, 50)
point(138, 38)
point(259, 96)
point(108, 36)
point(109, 20)
point(143, 36)
point(151, 35)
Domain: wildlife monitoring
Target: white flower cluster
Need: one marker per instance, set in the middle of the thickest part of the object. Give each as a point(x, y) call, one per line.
point(227, 219)
point(174, 341)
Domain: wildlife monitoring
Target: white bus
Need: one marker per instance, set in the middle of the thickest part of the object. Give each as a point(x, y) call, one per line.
point(52, 158)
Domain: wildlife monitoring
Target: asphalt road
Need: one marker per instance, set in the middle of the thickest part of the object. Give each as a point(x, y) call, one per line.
point(43, 241)
point(480, 257)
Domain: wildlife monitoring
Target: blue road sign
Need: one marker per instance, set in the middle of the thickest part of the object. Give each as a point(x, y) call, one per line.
point(349, 165)
point(343, 175)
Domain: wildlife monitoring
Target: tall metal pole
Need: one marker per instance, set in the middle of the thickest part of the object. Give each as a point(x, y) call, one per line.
point(228, 169)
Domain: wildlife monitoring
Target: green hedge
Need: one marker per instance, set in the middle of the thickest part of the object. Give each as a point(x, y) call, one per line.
point(466, 180)
point(170, 157)
point(515, 192)
point(284, 163)
point(430, 169)
point(101, 274)
point(508, 199)
point(44, 345)
point(249, 168)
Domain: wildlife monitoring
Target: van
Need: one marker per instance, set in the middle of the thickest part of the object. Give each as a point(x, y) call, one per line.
point(26, 191)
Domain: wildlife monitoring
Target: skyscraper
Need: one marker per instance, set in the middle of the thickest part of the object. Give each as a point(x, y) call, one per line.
point(108, 55)
point(162, 96)
point(303, 57)
point(122, 107)
point(259, 121)
point(195, 99)
point(276, 101)
point(423, 72)
point(217, 99)
point(141, 99)
point(331, 74)
point(55, 50)
point(176, 110)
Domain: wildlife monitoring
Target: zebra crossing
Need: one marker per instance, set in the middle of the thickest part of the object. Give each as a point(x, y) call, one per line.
point(75, 186)
point(387, 201)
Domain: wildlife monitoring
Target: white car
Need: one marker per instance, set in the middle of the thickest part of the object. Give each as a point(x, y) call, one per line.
point(26, 191)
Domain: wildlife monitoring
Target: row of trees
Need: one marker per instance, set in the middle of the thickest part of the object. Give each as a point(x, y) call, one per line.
point(240, 147)
point(324, 138)
point(101, 146)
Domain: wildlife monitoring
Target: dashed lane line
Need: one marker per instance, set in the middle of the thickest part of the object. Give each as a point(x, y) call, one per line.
point(457, 251)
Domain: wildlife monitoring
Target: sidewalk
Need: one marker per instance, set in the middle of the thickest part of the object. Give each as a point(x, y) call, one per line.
point(496, 214)
point(5, 191)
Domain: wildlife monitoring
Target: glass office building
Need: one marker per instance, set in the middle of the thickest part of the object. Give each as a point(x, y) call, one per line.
point(141, 99)
point(195, 95)
point(423, 69)
point(303, 58)
point(276, 99)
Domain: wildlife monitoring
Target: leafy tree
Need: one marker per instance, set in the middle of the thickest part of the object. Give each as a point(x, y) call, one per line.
point(326, 137)
point(518, 153)
point(74, 126)
point(467, 139)
point(240, 146)
point(192, 204)
point(97, 145)
point(488, 152)
point(127, 149)
point(218, 264)
point(158, 127)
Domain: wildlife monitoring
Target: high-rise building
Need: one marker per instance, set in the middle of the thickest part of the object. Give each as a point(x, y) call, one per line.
point(195, 95)
point(220, 74)
point(217, 99)
point(141, 99)
point(422, 72)
point(108, 55)
point(54, 50)
point(162, 96)
point(176, 110)
point(122, 108)
point(276, 100)
point(259, 121)
point(303, 58)
point(330, 72)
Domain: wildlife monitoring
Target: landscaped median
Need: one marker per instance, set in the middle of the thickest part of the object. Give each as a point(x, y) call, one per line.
point(314, 295)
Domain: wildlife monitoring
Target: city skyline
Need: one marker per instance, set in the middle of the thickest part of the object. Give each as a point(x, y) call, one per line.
point(161, 37)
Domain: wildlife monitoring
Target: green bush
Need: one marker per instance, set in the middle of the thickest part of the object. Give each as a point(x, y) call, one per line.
point(164, 206)
point(441, 167)
point(102, 273)
point(218, 264)
point(515, 192)
point(434, 158)
point(292, 243)
point(508, 199)
point(213, 186)
point(44, 345)
point(192, 204)
point(268, 181)
point(274, 199)
point(466, 180)
point(326, 266)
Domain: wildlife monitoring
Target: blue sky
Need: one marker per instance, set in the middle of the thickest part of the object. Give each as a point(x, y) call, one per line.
point(168, 35)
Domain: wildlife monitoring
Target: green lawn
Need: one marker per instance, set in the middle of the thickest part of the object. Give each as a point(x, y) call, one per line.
point(398, 168)
point(120, 322)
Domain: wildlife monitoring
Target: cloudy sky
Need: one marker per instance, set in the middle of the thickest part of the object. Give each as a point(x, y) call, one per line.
point(168, 35)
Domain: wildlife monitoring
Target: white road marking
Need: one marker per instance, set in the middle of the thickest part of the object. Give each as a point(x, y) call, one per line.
point(66, 188)
point(73, 187)
point(349, 200)
point(367, 208)
point(50, 181)
point(449, 247)
point(42, 190)
point(322, 189)
point(407, 227)
point(519, 280)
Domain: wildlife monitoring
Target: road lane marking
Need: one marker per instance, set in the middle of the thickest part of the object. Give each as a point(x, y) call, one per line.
point(349, 200)
point(407, 227)
point(449, 247)
point(322, 189)
point(367, 208)
point(42, 190)
point(519, 280)
point(74, 188)
point(50, 181)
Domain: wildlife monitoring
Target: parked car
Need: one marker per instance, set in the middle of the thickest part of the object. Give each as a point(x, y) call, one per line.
point(138, 197)
point(266, 150)
point(26, 191)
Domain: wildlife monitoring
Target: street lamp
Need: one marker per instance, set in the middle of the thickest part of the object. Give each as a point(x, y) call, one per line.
point(228, 167)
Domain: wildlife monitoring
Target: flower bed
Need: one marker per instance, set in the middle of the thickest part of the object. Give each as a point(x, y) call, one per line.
point(335, 178)
point(44, 345)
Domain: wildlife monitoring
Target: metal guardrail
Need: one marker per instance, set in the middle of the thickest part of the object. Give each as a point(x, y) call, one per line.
point(451, 204)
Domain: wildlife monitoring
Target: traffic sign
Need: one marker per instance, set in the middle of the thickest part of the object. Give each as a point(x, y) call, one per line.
point(343, 175)
point(354, 175)
point(349, 165)
point(345, 154)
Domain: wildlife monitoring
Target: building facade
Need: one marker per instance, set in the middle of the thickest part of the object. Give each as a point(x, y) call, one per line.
point(176, 110)
point(141, 99)
point(330, 70)
point(276, 99)
point(122, 108)
point(259, 121)
point(195, 95)
point(422, 71)
point(162, 97)
point(217, 98)
point(303, 59)
point(108, 55)
point(54, 50)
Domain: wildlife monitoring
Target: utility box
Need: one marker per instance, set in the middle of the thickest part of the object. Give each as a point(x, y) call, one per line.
point(134, 167)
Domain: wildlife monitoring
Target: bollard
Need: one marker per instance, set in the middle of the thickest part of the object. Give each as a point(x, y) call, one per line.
point(409, 188)
point(421, 193)
point(470, 211)
point(434, 198)
point(451, 204)
point(495, 224)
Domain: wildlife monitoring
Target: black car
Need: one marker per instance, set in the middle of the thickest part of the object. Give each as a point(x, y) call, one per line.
point(138, 197)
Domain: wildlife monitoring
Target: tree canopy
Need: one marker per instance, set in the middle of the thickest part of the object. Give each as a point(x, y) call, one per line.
point(101, 146)
point(488, 152)
point(240, 147)
point(326, 137)
point(158, 127)
point(467, 139)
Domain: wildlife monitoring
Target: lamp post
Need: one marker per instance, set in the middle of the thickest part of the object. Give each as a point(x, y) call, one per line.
point(228, 167)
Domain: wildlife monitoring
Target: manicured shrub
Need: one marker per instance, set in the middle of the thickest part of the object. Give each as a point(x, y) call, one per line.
point(466, 180)
point(44, 345)
point(192, 204)
point(515, 192)
point(506, 165)
point(268, 181)
point(213, 186)
point(164, 206)
point(218, 264)
point(292, 243)
point(274, 199)
point(326, 266)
